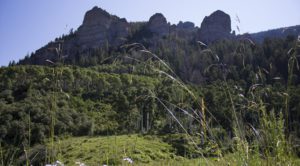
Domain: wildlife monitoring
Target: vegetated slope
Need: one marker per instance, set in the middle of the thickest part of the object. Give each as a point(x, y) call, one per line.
point(111, 150)
point(174, 149)
point(229, 89)
point(276, 33)
point(141, 95)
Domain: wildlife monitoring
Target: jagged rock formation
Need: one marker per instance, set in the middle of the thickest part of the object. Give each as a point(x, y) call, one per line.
point(214, 27)
point(158, 25)
point(99, 27)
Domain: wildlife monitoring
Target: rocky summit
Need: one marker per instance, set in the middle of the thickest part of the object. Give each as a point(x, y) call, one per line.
point(99, 27)
point(214, 27)
point(158, 25)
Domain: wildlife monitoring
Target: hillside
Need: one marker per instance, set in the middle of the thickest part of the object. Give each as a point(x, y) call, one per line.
point(186, 93)
point(276, 33)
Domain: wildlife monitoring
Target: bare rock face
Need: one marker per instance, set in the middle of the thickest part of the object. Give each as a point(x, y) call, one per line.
point(158, 25)
point(99, 27)
point(214, 27)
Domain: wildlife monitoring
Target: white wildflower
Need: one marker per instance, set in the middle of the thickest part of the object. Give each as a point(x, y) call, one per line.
point(129, 160)
point(57, 163)
point(79, 163)
point(241, 95)
point(277, 144)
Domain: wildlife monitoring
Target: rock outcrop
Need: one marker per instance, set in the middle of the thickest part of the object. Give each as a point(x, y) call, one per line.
point(100, 27)
point(158, 25)
point(214, 27)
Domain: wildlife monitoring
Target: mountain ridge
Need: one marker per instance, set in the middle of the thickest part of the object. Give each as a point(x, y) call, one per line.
point(101, 29)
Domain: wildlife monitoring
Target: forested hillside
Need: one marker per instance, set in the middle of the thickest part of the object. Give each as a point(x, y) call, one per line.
point(195, 93)
point(136, 91)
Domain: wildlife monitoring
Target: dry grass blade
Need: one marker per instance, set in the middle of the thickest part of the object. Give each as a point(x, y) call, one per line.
point(133, 46)
point(191, 139)
point(291, 51)
point(163, 62)
point(49, 61)
point(201, 43)
point(250, 41)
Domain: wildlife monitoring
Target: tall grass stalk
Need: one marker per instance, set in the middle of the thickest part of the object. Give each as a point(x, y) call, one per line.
point(56, 76)
point(1, 153)
point(50, 151)
point(292, 61)
point(29, 140)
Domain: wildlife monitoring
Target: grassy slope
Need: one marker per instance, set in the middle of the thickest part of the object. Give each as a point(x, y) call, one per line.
point(144, 150)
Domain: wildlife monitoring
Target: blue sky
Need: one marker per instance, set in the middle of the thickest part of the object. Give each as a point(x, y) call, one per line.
point(26, 25)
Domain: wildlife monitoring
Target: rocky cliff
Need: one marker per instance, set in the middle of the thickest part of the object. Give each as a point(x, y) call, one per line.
point(158, 25)
point(99, 27)
point(214, 27)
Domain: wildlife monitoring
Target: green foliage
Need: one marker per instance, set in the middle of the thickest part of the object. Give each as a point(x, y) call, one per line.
point(87, 102)
point(246, 89)
point(111, 150)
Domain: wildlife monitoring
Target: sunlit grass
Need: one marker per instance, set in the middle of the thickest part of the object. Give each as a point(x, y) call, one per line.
point(143, 150)
point(113, 149)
